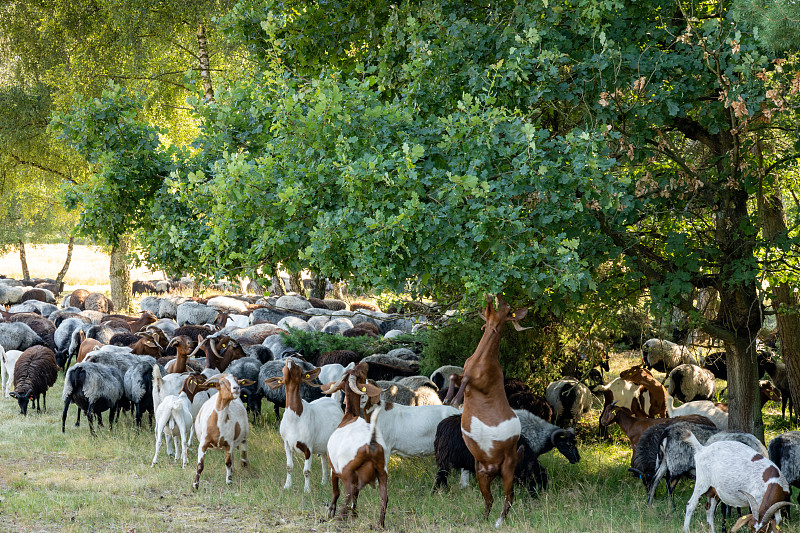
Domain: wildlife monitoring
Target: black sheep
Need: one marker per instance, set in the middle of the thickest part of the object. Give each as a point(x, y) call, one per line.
point(341, 357)
point(94, 388)
point(35, 372)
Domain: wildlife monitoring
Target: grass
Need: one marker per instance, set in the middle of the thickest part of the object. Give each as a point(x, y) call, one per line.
point(72, 482)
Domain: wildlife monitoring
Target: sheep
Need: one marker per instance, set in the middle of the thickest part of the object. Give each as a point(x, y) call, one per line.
point(690, 382)
point(35, 371)
point(94, 388)
point(278, 396)
point(138, 386)
point(409, 430)
point(341, 357)
point(174, 417)
point(103, 334)
point(8, 359)
point(729, 471)
point(118, 356)
point(222, 423)
point(78, 298)
point(538, 437)
point(41, 326)
point(699, 407)
point(570, 400)
point(97, 301)
point(415, 382)
point(533, 403)
point(63, 337)
point(356, 449)
point(305, 427)
point(784, 451)
point(194, 313)
point(397, 393)
point(441, 376)
point(251, 396)
point(675, 459)
point(665, 355)
point(18, 336)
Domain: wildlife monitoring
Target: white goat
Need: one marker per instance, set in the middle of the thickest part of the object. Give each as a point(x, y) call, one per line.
point(173, 419)
point(408, 430)
point(8, 359)
point(732, 472)
point(171, 385)
point(222, 423)
point(699, 407)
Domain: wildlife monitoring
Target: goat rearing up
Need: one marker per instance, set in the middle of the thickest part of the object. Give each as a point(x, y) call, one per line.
point(356, 449)
point(490, 428)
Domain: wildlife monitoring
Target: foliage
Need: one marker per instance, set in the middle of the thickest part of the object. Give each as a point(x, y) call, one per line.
point(313, 343)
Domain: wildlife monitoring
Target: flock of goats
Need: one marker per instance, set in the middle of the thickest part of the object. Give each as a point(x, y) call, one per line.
point(200, 366)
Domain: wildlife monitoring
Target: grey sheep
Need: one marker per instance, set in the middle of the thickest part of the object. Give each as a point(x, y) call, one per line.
point(35, 372)
point(10, 294)
point(97, 301)
point(94, 388)
point(337, 326)
point(194, 313)
point(665, 355)
point(441, 376)
point(91, 331)
point(689, 382)
point(119, 357)
point(40, 325)
point(395, 392)
point(415, 382)
point(570, 400)
point(138, 387)
point(18, 336)
point(63, 336)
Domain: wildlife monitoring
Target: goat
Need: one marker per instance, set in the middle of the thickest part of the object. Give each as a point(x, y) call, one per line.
point(222, 423)
point(731, 472)
point(7, 361)
point(305, 427)
point(356, 449)
point(489, 425)
point(174, 417)
point(657, 394)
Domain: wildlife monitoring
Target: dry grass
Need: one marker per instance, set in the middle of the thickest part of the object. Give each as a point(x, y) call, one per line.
point(88, 268)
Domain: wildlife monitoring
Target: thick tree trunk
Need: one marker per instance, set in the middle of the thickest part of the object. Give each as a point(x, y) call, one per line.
point(277, 282)
point(120, 275)
point(320, 283)
point(296, 283)
point(205, 69)
point(338, 293)
point(784, 299)
point(63, 272)
point(23, 259)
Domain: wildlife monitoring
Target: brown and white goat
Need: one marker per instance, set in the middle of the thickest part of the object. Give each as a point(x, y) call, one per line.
point(489, 426)
point(222, 423)
point(356, 449)
point(658, 394)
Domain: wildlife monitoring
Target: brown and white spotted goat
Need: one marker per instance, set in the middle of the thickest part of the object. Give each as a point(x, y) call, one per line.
point(222, 423)
point(490, 427)
point(356, 450)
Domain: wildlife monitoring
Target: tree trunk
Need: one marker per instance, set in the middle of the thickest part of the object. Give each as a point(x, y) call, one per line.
point(337, 291)
point(120, 275)
point(296, 283)
point(320, 283)
point(205, 69)
point(784, 299)
point(277, 282)
point(63, 272)
point(23, 259)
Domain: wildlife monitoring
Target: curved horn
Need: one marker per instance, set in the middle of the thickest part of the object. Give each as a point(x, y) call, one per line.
point(753, 504)
point(199, 344)
point(213, 345)
point(556, 433)
point(336, 385)
point(351, 381)
point(171, 341)
point(774, 509)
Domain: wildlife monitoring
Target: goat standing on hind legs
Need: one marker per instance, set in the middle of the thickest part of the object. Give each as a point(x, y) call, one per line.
point(490, 427)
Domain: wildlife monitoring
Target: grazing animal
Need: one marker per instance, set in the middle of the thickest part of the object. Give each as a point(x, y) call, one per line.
point(570, 400)
point(94, 388)
point(665, 355)
point(356, 449)
point(699, 407)
point(733, 473)
point(784, 451)
point(691, 382)
point(222, 423)
point(489, 425)
point(35, 371)
point(305, 426)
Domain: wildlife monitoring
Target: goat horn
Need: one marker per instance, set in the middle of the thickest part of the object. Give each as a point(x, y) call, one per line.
point(337, 384)
point(171, 341)
point(199, 344)
point(753, 504)
point(556, 433)
point(352, 382)
point(213, 345)
point(774, 509)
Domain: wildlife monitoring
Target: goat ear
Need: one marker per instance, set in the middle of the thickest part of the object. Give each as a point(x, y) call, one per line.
point(245, 382)
point(311, 375)
point(273, 382)
point(371, 389)
point(741, 522)
point(12, 394)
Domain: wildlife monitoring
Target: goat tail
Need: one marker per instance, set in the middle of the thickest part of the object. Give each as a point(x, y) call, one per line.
point(373, 427)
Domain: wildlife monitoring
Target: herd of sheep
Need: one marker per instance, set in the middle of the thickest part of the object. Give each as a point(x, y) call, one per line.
point(201, 368)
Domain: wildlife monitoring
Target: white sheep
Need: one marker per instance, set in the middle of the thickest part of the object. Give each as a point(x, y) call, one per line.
point(665, 355)
point(739, 477)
